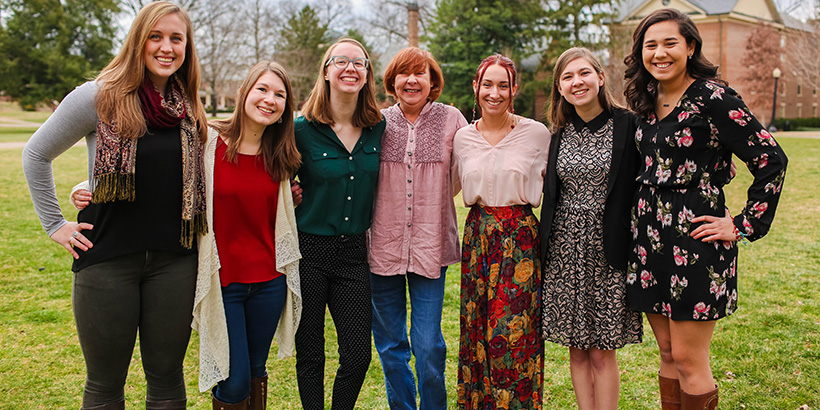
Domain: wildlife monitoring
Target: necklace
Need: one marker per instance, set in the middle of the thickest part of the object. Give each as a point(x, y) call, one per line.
point(677, 95)
point(494, 136)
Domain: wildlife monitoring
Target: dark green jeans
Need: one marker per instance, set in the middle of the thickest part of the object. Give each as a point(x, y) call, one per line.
point(150, 293)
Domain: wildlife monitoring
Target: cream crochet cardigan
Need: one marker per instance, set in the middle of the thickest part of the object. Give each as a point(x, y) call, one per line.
point(209, 314)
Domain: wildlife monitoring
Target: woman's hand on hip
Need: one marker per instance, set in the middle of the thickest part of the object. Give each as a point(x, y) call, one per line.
point(81, 198)
point(70, 236)
point(714, 228)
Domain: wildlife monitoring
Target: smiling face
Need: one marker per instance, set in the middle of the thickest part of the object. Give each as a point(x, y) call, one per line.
point(665, 52)
point(494, 93)
point(164, 50)
point(413, 89)
point(349, 79)
point(266, 100)
point(579, 84)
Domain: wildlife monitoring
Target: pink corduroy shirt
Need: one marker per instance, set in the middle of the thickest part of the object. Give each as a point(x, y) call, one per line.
point(414, 226)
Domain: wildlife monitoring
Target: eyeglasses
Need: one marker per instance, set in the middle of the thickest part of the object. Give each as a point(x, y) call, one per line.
point(341, 62)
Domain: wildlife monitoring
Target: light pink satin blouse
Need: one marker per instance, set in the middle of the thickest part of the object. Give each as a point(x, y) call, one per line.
point(509, 173)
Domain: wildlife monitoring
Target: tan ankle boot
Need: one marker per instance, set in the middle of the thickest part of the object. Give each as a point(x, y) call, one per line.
point(670, 393)
point(705, 401)
point(259, 393)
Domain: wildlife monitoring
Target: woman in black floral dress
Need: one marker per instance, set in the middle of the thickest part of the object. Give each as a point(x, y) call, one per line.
point(682, 267)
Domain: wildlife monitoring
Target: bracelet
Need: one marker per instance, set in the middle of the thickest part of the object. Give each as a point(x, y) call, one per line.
point(740, 236)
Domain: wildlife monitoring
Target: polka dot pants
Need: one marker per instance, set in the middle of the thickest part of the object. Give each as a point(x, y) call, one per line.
point(333, 273)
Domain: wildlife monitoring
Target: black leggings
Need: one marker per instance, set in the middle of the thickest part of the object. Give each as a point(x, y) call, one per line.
point(334, 273)
point(152, 292)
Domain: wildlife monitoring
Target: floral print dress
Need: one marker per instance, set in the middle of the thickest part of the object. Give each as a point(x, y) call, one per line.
point(687, 157)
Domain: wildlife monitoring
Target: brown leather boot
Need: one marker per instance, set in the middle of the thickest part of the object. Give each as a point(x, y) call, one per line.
point(670, 393)
point(120, 405)
point(259, 393)
point(705, 401)
point(166, 404)
point(242, 405)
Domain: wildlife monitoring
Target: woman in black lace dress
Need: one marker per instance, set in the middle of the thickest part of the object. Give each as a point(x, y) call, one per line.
point(588, 189)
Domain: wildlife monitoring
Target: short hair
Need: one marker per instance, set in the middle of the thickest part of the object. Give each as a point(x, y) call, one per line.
point(367, 112)
point(560, 111)
point(507, 64)
point(413, 60)
point(638, 78)
point(278, 148)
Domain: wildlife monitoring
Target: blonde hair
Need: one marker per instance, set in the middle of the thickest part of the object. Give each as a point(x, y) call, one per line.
point(117, 101)
point(278, 147)
point(560, 111)
point(367, 113)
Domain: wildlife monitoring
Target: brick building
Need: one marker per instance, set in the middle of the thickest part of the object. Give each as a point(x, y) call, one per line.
point(725, 26)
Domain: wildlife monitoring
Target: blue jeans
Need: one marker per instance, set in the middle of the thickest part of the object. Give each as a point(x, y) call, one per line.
point(252, 312)
point(426, 341)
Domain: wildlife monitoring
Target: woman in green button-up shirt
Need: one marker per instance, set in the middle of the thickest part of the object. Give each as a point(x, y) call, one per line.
point(338, 137)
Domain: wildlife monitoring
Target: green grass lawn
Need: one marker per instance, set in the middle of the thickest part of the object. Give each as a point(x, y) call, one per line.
point(12, 110)
point(765, 356)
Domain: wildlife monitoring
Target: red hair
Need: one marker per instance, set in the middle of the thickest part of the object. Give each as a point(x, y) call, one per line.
point(413, 60)
point(507, 64)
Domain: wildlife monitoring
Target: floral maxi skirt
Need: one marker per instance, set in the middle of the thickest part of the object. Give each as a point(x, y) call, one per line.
point(501, 356)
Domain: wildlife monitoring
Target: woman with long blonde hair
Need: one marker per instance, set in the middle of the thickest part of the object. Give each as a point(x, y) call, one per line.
point(339, 137)
point(133, 247)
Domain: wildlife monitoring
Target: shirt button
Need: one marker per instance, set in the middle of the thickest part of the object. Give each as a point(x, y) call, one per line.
point(411, 140)
point(350, 157)
point(409, 225)
point(347, 219)
point(409, 195)
point(409, 180)
point(409, 208)
point(324, 154)
point(351, 177)
point(410, 153)
point(408, 166)
point(348, 198)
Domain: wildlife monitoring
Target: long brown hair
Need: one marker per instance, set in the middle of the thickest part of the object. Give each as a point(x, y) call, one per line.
point(278, 147)
point(512, 77)
point(560, 111)
point(117, 101)
point(367, 113)
point(638, 79)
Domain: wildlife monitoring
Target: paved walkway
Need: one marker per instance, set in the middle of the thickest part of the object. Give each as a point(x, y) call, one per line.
point(11, 122)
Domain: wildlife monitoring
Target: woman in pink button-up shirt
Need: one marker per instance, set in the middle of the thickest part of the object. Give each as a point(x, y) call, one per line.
point(414, 234)
point(500, 162)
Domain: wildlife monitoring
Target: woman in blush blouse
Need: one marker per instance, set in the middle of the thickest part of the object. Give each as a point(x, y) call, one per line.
point(414, 236)
point(500, 162)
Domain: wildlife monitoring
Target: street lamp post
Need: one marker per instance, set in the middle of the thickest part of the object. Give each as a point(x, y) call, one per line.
point(776, 74)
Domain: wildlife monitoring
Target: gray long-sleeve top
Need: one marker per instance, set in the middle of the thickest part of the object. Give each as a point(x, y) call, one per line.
point(75, 118)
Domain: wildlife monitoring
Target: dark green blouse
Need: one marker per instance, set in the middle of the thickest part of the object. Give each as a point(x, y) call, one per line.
point(339, 186)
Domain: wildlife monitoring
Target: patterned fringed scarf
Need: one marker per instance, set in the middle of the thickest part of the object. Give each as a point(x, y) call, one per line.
point(115, 160)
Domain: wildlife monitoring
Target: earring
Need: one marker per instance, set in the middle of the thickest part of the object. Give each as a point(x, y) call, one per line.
point(690, 56)
point(279, 120)
point(472, 120)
